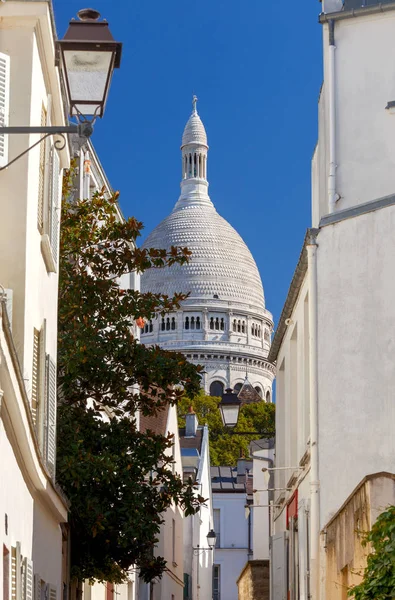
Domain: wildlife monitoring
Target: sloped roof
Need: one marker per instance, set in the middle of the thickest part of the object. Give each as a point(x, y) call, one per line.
point(224, 479)
point(191, 442)
point(248, 393)
point(156, 424)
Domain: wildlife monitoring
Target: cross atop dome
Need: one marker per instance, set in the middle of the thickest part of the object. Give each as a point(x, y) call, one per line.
point(194, 102)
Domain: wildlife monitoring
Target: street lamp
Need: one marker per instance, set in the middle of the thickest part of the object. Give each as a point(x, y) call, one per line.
point(87, 57)
point(229, 408)
point(211, 539)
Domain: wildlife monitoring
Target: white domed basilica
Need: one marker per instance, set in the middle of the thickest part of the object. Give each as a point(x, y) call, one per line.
point(223, 324)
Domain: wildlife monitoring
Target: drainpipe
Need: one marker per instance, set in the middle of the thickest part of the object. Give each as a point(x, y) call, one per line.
point(333, 196)
point(314, 474)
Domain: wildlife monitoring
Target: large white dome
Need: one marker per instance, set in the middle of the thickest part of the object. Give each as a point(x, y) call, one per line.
point(221, 265)
point(223, 324)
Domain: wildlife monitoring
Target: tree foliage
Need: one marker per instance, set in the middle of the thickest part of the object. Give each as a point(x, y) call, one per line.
point(119, 480)
point(226, 448)
point(379, 576)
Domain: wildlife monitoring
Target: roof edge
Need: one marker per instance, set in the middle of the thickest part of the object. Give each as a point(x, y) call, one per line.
point(292, 295)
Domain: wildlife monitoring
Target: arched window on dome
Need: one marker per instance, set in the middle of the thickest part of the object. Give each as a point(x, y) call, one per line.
point(173, 323)
point(252, 329)
point(163, 325)
point(190, 166)
point(151, 326)
point(216, 388)
point(234, 325)
point(239, 325)
point(243, 327)
point(268, 397)
point(222, 324)
point(186, 322)
point(237, 387)
point(259, 390)
point(217, 324)
point(259, 332)
point(192, 322)
point(267, 335)
point(211, 322)
point(197, 322)
point(168, 324)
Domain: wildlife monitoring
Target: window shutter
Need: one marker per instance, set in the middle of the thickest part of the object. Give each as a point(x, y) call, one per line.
point(41, 176)
point(4, 105)
point(27, 579)
point(35, 374)
point(37, 587)
point(52, 592)
point(54, 206)
point(51, 414)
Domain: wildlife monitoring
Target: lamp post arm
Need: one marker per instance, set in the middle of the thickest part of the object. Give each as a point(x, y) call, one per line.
point(84, 130)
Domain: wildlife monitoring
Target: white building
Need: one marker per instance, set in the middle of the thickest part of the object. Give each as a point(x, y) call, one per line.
point(333, 345)
point(233, 526)
point(33, 512)
point(224, 324)
point(198, 557)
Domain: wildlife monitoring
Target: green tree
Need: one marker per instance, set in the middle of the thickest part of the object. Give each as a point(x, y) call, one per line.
point(379, 576)
point(226, 448)
point(118, 480)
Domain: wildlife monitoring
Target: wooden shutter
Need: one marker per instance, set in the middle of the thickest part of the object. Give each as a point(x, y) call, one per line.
point(54, 204)
point(37, 587)
point(35, 374)
point(41, 176)
point(27, 579)
point(52, 592)
point(51, 414)
point(4, 105)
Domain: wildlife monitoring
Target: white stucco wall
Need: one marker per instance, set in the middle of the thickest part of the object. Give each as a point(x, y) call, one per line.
point(232, 554)
point(365, 142)
point(355, 348)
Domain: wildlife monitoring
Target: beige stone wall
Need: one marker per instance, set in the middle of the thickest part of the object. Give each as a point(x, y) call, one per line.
point(253, 583)
point(345, 556)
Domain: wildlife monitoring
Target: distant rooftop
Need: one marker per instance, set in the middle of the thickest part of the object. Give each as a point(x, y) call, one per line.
point(224, 479)
point(191, 442)
point(350, 4)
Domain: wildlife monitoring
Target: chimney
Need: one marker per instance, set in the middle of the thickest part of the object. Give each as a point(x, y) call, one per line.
point(191, 423)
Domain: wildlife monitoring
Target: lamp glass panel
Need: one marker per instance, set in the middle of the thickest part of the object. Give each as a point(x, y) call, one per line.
point(87, 73)
point(230, 415)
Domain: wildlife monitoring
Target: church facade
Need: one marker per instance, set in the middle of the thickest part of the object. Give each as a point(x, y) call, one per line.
point(223, 324)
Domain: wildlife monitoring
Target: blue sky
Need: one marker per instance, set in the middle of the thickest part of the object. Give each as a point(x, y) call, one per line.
point(256, 67)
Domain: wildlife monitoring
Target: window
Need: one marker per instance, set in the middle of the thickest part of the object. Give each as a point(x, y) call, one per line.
point(151, 326)
point(211, 322)
point(167, 324)
point(216, 582)
point(173, 539)
point(197, 322)
point(238, 387)
point(267, 335)
point(6, 573)
point(258, 389)
point(192, 322)
point(217, 526)
point(4, 103)
point(222, 325)
point(186, 322)
point(216, 388)
point(173, 323)
point(239, 326)
point(234, 325)
point(163, 325)
point(243, 327)
point(268, 397)
point(41, 176)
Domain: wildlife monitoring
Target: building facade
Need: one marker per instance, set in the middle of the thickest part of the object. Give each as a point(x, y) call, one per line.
point(33, 511)
point(333, 344)
point(198, 557)
point(224, 324)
